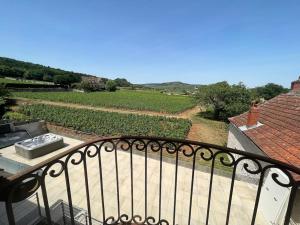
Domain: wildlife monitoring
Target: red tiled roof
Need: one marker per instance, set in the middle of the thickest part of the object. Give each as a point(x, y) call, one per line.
point(279, 136)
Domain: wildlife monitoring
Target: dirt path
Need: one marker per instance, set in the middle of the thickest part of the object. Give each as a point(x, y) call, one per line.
point(194, 132)
point(190, 113)
point(205, 130)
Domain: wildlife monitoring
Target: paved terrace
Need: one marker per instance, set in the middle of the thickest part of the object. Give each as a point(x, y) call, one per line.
point(242, 202)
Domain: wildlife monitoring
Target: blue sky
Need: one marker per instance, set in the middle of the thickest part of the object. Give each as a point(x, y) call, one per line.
point(201, 42)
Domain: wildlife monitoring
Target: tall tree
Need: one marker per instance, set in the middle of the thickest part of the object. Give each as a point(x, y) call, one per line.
point(224, 99)
point(3, 94)
point(122, 82)
point(111, 85)
point(66, 79)
point(268, 91)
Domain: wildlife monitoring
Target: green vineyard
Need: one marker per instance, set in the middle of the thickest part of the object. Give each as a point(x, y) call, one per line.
point(108, 123)
point(133, 100)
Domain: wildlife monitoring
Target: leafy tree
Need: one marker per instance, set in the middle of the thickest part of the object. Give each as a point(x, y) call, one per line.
point(16, 116)
point(27, 75)
point(66, 79)
point(34, 75)
point(61, 79)
point(104, 80)
point(6, 71)
point(268, 91)
point(47, 77)
point(89, 86)
point(20, 69)
point(3, 94)
point(121, 82)
point(74, 78)
point(225, 100)
point(111, 85)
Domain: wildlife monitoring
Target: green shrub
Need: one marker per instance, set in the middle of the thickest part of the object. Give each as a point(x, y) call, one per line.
point(109, 123)
point(3, 94)
point(89, 86)
point(66, 79)
point(16, 116)
point(111, 85)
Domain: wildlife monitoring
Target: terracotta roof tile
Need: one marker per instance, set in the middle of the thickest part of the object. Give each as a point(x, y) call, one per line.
point(279, 136)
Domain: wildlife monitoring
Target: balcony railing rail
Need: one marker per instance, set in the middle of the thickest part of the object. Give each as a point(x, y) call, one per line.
point(22, 185)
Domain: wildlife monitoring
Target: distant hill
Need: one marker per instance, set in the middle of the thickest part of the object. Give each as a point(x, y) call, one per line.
point(31, 71)
point(175, 86)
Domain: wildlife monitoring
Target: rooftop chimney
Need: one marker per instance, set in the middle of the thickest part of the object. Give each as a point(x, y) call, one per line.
point(295, 86)
point(253, 116)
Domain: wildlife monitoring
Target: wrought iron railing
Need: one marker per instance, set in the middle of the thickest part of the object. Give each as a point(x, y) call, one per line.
point(133, 175)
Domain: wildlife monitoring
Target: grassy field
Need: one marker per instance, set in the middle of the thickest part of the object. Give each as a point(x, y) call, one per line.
point(124, 99)
point(108, 123)
point(211, 131)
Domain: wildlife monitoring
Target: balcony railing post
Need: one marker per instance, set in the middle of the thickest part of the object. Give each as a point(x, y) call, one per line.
point(146, 177)
point(10, 213)
point(131, 181)
point(63, 212)
point(101, 184)
point(45, 199)
point(192, 189)
point(210, 190)
point(38, 203)
point(230, 193)
point(160, 182)
point(86, 182)
point(68, 187)
point(117, 181)
point(290, 205)
point(175, 188)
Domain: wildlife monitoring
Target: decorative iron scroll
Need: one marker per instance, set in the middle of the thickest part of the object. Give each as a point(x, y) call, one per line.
point(23, 185)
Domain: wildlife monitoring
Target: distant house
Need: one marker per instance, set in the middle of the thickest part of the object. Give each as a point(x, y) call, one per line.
point(96, 80)
point(272, 129)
